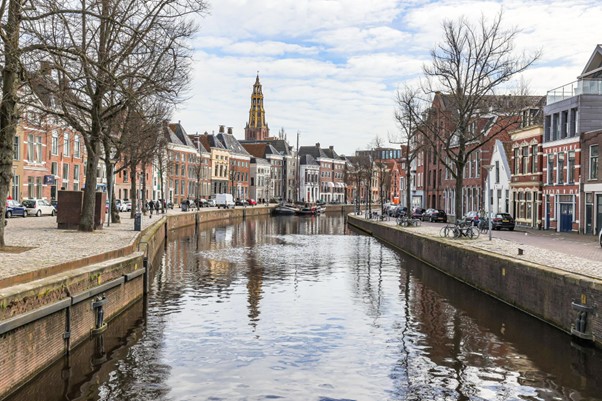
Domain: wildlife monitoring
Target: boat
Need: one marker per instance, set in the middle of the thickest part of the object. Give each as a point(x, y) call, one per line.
point(307, 211)
point(284, 210)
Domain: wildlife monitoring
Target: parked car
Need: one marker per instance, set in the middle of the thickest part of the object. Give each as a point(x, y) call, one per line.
point(434, 215)
point(502, 220)
point(241, 202)
point(38, 207)
point(472, 217)
point(202, 202)
point(251, 202)
point(418, 212)
point(211, 202)
point(14, 208)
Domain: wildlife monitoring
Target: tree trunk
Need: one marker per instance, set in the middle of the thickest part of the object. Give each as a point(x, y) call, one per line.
point(458, 195)
point(8, 109)
point(86, 222)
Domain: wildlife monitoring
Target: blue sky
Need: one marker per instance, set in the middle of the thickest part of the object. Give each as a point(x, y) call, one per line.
point(330, 68)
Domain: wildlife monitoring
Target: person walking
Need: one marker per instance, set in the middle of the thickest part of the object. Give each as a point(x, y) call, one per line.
point(151, 206)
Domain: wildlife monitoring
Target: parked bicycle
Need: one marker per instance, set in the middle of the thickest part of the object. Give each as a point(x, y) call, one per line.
point(483, 226)
point(406, 221)
point(459, 230)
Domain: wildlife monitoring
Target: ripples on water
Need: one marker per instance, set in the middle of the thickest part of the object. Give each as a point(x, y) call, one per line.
point(289, 309)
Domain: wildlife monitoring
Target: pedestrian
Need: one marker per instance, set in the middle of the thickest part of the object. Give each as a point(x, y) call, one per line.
point(151, 206)
point(157, 207)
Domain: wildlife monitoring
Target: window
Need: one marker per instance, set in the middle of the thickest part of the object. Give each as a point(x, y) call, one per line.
point(573, 123)
point(16, 186)
point(570, 167)
point(593, 162)
point(38, 188)
point(30, 189)
point(55, 143)
point(533, 159)
point(16, 150)
point(525, 159)
point(30, 146)
point(560, 169)
point(66, 144)
point(76, 146)
point(54, 168)
point(65, 175)
point(550, 169)
point(497, 172)
point(516, 161)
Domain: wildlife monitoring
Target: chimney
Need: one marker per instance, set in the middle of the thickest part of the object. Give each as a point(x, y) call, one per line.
point(230, 130)
point(318, 145)
point(45, 68)
point(221, 129)
point(331, 147)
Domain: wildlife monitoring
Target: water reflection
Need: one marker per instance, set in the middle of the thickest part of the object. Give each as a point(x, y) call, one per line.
point(289, 308)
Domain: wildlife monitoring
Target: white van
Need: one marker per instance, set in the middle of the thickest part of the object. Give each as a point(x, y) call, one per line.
point(224, 200)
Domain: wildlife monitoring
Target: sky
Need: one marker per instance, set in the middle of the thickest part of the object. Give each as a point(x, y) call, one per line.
point(330, 69)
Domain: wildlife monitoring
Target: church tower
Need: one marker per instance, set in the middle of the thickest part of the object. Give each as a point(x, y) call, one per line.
point(256, 128)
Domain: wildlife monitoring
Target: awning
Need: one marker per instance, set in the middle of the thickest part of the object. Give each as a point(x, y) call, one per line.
point(341, 184)
point(330, 184)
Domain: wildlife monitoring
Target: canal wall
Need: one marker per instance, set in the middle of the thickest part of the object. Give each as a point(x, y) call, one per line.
point(565, 300)
point(46, 315)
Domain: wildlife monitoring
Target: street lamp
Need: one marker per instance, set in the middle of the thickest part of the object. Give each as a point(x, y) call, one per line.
point(489, 167)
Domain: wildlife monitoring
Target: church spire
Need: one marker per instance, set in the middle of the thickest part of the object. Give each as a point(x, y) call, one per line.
point(256, 128)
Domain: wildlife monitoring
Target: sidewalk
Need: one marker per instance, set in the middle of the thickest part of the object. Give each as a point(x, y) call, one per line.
point(571, 252)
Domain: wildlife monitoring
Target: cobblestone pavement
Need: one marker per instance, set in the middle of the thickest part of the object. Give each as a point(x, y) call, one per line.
point(580, 254)
point(51, 246)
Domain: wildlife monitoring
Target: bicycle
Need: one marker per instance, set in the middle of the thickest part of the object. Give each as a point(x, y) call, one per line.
point(447, 231)
point(465, 230)
point(483, 226)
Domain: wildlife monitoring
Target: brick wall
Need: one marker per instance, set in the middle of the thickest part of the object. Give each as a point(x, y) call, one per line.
point(539, 291)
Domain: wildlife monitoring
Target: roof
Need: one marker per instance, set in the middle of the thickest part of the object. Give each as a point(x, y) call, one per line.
point(280, 145)
point(180, 134)
point(210, 141)
point(231, 143)
point(593, 68)
point(308, 160)
point(315, 151)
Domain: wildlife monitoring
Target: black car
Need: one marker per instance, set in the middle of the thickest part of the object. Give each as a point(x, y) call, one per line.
point(502, 220)
point(434, 215)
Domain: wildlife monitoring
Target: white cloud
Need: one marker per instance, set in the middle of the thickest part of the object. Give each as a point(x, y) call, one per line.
point(329, 68)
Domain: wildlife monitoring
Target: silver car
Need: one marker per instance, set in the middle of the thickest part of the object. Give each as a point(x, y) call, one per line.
point(38, 207)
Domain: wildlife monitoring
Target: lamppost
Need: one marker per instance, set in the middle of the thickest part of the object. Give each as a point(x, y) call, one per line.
point(489, 167)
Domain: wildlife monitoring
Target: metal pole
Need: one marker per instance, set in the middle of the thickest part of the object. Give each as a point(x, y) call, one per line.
point(110, 179)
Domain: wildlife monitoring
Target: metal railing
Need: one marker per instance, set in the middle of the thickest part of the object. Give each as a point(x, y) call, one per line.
point(581, 87)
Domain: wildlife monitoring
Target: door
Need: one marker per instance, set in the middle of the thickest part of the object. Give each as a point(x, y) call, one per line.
point(589, 209)
point(566, 217)
point(599, 213)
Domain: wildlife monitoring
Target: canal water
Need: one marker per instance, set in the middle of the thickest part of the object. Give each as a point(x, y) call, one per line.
point(305, 309)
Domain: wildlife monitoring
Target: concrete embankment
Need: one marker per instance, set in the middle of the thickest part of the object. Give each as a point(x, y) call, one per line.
point(45, 314)
point(563, 299)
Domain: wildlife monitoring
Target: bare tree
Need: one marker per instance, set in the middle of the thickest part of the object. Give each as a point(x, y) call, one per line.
point(104, 57)
point(408, 108)
point(11, 19)
point(470, 65)
point(382, 170)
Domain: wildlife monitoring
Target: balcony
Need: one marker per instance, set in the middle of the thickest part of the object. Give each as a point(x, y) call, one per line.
point(581, 87)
